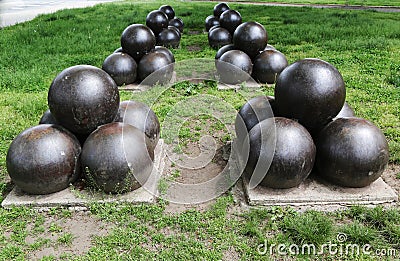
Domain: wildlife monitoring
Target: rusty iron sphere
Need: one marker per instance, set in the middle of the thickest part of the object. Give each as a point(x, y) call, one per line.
point(178, 23)
point(156, 65)
point(311, 91)
point(44, 159)
point(115, 158)
point(157, 20)
point(234, 67)
point(230, 20)
point(351, 152)
point(121, 67)
point(220, 8)
point(83, 97)
point(137, 40)
point(293, 157)
point(142, 117)
point(168, 38)
point(168, 10)
point(268, 65)
point(251, 38)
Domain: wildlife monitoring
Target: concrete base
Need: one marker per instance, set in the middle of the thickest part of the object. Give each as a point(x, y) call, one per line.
point(315, 192)
point(73, 198)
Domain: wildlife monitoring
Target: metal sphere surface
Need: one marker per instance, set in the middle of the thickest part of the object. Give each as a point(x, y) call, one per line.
point(345, 112)
point(142, 117)
point(83, 97)
point(251, 38)
point(351, 152)
point(293, 155)
point(223, 50)
point(230, 20)
point(168, 10)
point(219, 37)
point(210, 22)
point(157, 65)
point(137, 40)
point(157, 20)
point(168, 38)
point(121, 67)
point(220, 8)
point(178, 23)
point(311, 91)
point(115, 158)
point(166, 51)
point(267, 65)
point(47, 118)
point(234, 67)
point(44, 159)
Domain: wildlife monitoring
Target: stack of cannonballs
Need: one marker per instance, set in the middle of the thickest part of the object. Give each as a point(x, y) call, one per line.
point(309, 126)
point(88, 133)
point(243, 48)
point(144, 49)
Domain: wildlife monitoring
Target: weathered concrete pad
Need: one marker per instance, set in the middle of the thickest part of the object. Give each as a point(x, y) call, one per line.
point(315, 192)
point(74, 198)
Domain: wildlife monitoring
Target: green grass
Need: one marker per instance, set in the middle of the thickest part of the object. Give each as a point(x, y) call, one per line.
point(363, 45)
point(338, 2)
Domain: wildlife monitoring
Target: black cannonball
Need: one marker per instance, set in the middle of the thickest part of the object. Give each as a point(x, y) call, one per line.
point(115, 158)
point(168, 38)
point(234, 67)
point(311, 91)
point(267, 65)
point(250, 37)
point(219, 37)
point(44, 159)
point(351, 152)
point(166, 51)
point(168, 10)
point(293, 155)
point(170, 27)
point(178, 23)
point(156, 65)
point(345, 112)
point(223, 50)
point(121, 67)
point(251, 113)
point(210, 22)
point(142, 117)
point(157, 20)
point(219, 9)
point(269, 47)
point(213, 27)
point(83, 97)
point(230, 20)
point(119, 50)
point(47, 118)
point(137, 40)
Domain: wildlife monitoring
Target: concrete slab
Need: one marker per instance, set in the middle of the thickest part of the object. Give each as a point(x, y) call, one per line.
point(316, 192)
point(71, 197)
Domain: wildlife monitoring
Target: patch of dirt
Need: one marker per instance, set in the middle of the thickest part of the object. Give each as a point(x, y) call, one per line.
point(194, 48)
point(81, 225)
point(389, 176)
point(194, 32)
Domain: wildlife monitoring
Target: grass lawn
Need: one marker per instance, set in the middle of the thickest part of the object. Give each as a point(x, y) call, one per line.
point(363, 45)
point(339, 2)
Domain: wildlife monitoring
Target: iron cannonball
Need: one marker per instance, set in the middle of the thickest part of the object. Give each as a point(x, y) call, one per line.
point(220, 8)
point(168, 38)
point(83, 97)
point(171, 27)
point(121, 67)
point(168, 10)
point(267, 65)
point(44, 159)
point(214, 27)
point(166, 51)
point(251, 38)
point(137, 40)
point(251, 113)
point(157, 20)
point(351, 152)
point(47, 118)
point(230, 20)
point(223, 50)
point(219, 37)
point(156, 65)
point(292, 158)
point(142, 117)
point(210, 22)
point(119, 50)
point(311, 91)
point(269, 47)
point(345, 112)
point(234, 67)
point(115, 158)
point(178, 23)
